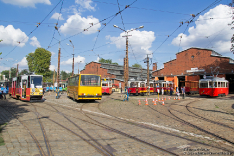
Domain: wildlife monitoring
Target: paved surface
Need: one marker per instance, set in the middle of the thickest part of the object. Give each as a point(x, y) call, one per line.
point(168, 133)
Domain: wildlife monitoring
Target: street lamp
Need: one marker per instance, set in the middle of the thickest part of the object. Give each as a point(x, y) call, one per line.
point(126, 57)
point(59, 52)
point(73, 56)
point(78, 66)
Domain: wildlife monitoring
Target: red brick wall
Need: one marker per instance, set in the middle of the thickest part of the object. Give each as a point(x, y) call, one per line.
point(95, 68)
point(201, 59)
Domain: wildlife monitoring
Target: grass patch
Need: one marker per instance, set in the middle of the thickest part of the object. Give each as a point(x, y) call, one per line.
point(1, 139)
point(216, 106)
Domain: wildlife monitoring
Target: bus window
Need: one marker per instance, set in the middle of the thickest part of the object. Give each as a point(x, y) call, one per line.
point(90, 80)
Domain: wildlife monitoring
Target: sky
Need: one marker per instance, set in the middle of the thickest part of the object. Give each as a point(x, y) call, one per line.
point(169, 27)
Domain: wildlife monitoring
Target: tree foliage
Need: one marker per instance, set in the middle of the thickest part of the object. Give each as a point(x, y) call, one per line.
point(24, 71)
point(109, 61)
point(6, 73)
point(136, 65)
point(39, 62)
point(65, 75)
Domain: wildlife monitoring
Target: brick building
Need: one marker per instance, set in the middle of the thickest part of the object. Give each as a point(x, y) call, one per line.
point(192, 64)
point(114, 72)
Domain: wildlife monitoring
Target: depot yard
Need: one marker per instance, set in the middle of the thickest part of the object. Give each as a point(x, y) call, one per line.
point(112, 126)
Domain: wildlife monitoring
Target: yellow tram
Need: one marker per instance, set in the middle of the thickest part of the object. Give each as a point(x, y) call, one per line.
point(85, 87)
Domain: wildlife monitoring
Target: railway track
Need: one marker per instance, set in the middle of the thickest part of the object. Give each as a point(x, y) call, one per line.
point(194, 126)
point(114, 130)
point(146, 127)
point(40, 148)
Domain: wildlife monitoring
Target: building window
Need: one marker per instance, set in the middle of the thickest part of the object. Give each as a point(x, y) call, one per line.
point(192, 56)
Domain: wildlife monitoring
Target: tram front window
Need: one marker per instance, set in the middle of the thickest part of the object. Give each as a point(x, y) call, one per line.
point(90, 80)
point(105, 84)
point(203, 85)
point(36, 82)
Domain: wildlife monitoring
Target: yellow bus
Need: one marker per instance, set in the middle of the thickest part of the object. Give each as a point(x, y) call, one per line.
point(85, 87)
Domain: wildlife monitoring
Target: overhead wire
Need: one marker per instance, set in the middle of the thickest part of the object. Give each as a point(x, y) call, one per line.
point(34, 29)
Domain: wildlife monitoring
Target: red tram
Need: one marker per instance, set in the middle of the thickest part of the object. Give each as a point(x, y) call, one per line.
point(26, 88)
point(106, 87)
point(137, 87)
point(160, 85)
point(213, 86)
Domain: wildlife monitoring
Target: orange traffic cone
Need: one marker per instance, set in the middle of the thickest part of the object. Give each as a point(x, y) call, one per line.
point(155, 103)
point(178, 97)
point(174, 98)
point(165, 98)
point(139, 102)
point(169, 98)
point(163, 103)
point(153, 100)
point(146, 102)
point(158, 99)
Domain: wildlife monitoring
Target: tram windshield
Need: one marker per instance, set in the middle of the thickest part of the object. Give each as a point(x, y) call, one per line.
point(90, 80)
point(203, 84)
point(104, 84)
point(36, 82)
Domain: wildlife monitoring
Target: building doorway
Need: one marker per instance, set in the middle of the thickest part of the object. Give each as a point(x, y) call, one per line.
point(230, 78)
point(181, 82)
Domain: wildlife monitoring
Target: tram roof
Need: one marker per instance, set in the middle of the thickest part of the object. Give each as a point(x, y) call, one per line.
point(211, 78)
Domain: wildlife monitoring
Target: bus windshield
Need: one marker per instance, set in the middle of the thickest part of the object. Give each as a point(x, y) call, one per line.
point(36, 82)
point(90, 80)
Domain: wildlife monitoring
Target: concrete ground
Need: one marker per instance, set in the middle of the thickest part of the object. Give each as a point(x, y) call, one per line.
point(163, 126)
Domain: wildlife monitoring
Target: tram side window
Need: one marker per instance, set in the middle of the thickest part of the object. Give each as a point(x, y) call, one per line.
point(151, 84)
point(204, 85)
point(222, 84)
point(210, 84)
point(142, 84)
point(219, 84)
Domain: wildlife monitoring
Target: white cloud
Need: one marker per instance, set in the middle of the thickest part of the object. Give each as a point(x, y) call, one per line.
point(35, 42)
point(209, 33)
point(76, 24)
point(97, 60)
point(85, 4)
point(76, 60)
point(2, 68)
point(52, 67)
point(56, 16)
point(26, 3)
point(53, 53)
point(22, 64)
point(12, 36)
point(140, 41)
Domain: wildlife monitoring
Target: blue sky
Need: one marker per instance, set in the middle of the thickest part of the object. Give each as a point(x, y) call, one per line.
point(19, 19)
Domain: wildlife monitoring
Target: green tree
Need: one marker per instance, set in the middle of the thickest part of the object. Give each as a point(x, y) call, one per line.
point(137, 65)
point(6, 73)
point(24, 71)
point(109, 61)
point(39, 62)
point(65, 75)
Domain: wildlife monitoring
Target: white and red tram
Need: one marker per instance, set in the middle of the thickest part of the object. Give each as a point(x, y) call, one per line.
point(213, 86)
point(106, 87)
point(137, 87)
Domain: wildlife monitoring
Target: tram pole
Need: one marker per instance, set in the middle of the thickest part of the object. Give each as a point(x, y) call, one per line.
point(148, 87)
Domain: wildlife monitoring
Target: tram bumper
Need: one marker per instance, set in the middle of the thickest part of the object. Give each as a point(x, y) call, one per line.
point(36, 99)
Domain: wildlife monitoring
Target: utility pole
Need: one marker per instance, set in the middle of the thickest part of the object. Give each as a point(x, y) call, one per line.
point(126, 71)
point(59, 51)
point(53, 77)
point(148, 86)
point(17, 70)
point(73, 57)
point(58, 72)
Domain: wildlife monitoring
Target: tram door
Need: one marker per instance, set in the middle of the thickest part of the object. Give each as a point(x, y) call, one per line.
point(24, 87)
